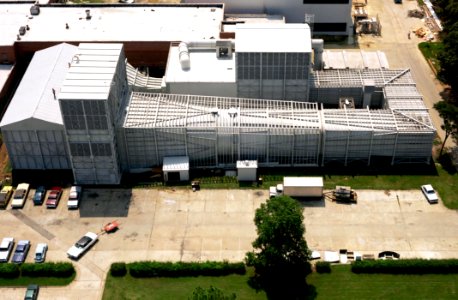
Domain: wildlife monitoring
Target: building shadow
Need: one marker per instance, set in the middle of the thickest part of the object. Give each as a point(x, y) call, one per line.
point(105, 202)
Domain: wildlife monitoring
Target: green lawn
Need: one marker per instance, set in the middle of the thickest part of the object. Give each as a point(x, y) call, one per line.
point(176, 288)
point(342, 284)
point(430, 51)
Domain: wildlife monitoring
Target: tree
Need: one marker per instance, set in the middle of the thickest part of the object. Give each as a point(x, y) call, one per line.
point(211, 293)
point(449, 114)
point(280, 255)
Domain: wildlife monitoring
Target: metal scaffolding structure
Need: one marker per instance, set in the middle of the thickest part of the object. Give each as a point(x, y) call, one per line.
point(218, 131)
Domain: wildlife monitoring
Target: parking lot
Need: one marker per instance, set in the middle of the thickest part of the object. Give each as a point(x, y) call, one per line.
point(181, 225)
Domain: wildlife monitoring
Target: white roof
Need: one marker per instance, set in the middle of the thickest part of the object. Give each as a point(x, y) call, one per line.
point(354, 59)
point(273, 37)
point(34, 97)
point(205, 67)
point(175, 163)
point(247, 164)
point(111, 23)
point(303, 181)
point(91, 72)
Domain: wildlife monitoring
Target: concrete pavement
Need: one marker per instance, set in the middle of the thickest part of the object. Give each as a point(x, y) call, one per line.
point(180, 225)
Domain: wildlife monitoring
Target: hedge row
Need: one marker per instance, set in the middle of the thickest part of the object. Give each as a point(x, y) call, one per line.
point(145, 269)
point(323, 267)
point(9, 271)
point(61, 269)
point(406, 266)
point(118, 269)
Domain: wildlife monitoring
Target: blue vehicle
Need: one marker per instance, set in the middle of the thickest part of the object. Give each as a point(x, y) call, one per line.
point(39, 196)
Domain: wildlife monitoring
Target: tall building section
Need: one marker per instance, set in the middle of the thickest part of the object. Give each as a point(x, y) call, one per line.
point(91, 99)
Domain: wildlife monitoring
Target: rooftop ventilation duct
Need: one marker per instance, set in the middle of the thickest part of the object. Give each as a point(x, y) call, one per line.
point(223, 49)
point(317, 46)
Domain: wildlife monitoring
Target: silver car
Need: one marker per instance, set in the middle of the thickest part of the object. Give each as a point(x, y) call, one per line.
point(40, 252)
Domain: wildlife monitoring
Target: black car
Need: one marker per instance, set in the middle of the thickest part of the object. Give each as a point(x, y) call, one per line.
point(32, 292)
point(21, 251)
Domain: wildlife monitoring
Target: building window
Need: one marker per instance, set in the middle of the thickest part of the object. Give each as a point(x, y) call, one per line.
point(73, 115)
point(95, 115)
point(80, 149)
point(101, 149)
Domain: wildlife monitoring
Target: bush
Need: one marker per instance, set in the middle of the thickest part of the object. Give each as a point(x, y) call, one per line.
point(118, 269)
point(169, 269)
point(406, 266)
point(9, 271)
point(323, 267)
point(60, 269)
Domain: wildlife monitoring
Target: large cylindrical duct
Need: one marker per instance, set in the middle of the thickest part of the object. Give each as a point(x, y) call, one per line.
point(317, 46)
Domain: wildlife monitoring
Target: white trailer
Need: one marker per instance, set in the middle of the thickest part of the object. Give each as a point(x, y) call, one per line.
point(310, 187)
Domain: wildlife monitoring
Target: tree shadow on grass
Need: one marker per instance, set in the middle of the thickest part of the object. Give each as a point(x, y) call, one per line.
point(447, 164)
point(284, 291)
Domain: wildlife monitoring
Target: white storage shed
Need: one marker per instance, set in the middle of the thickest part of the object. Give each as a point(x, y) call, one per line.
point(176, 168)
point(247, 170)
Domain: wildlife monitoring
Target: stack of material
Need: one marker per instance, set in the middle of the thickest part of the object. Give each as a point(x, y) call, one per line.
point(416, 13)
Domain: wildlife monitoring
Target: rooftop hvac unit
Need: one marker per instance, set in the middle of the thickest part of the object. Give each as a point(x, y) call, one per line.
point(223, 49)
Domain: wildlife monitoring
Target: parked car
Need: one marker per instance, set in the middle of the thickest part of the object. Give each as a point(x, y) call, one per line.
point(82, 245)
point(5, 249)
point(20, 195)
point(39, 195)
point(32, 292)
point(22, 249)
point(5, 195)
point(54, 196)
point(40, 252)
point(430, 193)
point(74, 197)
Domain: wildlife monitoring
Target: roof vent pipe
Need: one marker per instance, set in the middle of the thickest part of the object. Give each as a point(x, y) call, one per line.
point(317, 46)
point(183, 52)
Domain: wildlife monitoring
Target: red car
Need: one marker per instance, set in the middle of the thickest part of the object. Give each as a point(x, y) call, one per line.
point(53, 197)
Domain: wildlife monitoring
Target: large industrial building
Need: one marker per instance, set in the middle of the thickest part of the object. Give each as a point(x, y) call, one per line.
point(221, 101)
point(327, 17)
point(234, 89)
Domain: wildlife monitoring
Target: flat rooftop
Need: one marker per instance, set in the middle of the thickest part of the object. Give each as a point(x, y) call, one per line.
point(205, 67)
point(273, 37)
point(91, 72)
point(113, 23)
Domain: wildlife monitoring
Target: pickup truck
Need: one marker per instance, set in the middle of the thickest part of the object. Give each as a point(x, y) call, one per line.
point(74, 197)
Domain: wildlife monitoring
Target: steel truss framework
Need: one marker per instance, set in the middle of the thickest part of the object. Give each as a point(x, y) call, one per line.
point(218, 131)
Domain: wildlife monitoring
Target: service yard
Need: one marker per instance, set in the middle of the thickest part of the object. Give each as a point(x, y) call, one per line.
point(178, 224)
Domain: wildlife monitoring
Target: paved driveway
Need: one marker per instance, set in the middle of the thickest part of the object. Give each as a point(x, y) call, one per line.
point(403, 52)
point(218, 224)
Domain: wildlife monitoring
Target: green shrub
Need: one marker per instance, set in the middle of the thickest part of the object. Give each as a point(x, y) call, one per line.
point(406, 266)
point(323, 267)
point(9, 271)
point(118, 269)
point(51, 269)
point(180, 269)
